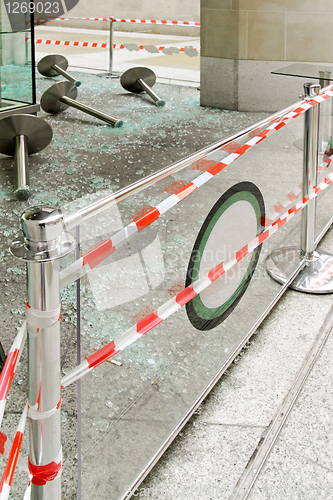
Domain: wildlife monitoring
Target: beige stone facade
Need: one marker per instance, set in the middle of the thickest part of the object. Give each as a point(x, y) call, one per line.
point(242, 41)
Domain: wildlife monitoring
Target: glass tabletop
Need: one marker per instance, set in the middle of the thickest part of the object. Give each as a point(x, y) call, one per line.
point(305, 70)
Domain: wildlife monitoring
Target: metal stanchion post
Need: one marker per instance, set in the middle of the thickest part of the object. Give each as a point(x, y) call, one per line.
point(44, 242)
point(111, 46)
point(325, 128)
point(324, 79)
point(310, 165)
point(110, 73)
point(316, 276)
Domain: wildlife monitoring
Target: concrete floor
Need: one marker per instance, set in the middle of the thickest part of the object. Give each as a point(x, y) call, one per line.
point(215, 447)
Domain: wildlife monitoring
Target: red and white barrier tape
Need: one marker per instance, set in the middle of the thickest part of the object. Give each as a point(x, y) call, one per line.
point(38, 474)
point(168, 308)
point(152, 21)
point(41, 474)
point(75, 44)
point(102, 251)
point(5, 447)
point(8, 474)
point(9, 368)
point(129, 46)
point(71, 19)
point(83, 19)
point(106, 248)
point(35, 414)
point(141, 21)
point(283, 204)
point(41, 319)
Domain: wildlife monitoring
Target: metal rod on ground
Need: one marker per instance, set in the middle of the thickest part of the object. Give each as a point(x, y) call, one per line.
point(61, 95)
point(54, 65)
point(141, 79)
point(90, 111)
point(316, 276)
point(21, 162)
point(63, 73)
point(22, 135)
point(158, 101)
point(43, 243)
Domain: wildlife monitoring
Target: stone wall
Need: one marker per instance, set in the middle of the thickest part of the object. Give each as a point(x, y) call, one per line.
point(242, 41)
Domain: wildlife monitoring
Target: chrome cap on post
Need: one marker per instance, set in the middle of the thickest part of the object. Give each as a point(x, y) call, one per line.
point(43, 236)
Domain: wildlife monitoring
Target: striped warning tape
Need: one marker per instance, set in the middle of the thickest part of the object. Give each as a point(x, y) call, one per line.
point(102, 251)
point(9, 368)
point(96, 255)
point(119, 20)
point(75, 44)
point(5, 447)
point(40, 21)
point(284, 203)
point(189, 50)
point(36, 319)
point(266, 220)
point(152, 21)
point(8, 474)
point(83, 19)
point(41, 474)
point(183, 297)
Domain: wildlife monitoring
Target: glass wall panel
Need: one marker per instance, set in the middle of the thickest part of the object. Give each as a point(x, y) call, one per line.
point(132, 404)
point(16, 68)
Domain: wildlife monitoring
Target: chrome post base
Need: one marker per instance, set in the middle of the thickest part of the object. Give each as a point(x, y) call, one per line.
point(55, 65)
point(315, 277)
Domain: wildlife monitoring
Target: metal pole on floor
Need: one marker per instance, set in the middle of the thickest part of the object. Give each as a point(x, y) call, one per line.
point(310, 165)
point(111, 46)
point(21, 166)
point(63, 94)
point(325, 128)
point(43, 244)
point(110, 73)
point(78, 359)
point(317, 274)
